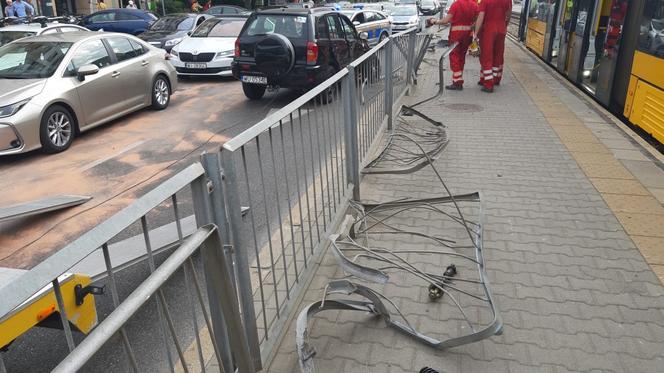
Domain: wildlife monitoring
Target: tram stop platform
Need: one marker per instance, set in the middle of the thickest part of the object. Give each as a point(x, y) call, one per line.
point(573, 237)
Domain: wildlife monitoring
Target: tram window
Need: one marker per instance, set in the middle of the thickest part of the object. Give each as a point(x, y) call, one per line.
point(585, 8)
point(539, 9)
point(651, 34)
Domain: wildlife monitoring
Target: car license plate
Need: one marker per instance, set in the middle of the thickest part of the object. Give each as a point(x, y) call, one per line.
point(254, 79)
point(195, 65)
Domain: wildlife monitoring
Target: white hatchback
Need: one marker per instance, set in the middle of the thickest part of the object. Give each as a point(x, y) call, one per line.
point(209, 49)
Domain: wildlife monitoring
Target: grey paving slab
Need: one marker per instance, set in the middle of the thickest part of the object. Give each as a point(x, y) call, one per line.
point(574, 292)
point(647, 172)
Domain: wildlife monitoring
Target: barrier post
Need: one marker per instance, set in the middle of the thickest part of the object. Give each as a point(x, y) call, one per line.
point(349, 94)
point(200, 190)
point(389, 89)
point(240, 249)
point(412, 41)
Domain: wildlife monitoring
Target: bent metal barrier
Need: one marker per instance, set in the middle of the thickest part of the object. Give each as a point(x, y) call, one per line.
point(238, 276)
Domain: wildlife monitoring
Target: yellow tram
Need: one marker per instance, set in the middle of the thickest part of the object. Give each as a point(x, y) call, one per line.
point(612, 49)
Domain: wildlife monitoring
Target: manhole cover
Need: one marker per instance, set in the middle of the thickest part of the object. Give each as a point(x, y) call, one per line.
point(464, 108)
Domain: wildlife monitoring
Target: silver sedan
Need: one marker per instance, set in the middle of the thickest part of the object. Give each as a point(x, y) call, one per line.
point(53, 87)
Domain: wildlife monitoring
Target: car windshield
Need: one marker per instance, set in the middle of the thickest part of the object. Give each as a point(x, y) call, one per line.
point(31, 60)
point(290, 26)
point(404, 11)
point(7, 37)
point(219, 28)
point(428, 3)
point(173, 24)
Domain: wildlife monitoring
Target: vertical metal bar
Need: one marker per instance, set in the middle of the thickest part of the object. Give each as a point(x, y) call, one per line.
point(190, 300)
point(253, 230)
point(3, 369)
point(350, 115)
point(267, 224)
point(116, 301)
point(194, 319)
point(306, 184)
point(328, 158)
point(171, 327)
point(320, 164)
point(299, 193)
point(151, 264)
point(290, 204)
point(335, 133)
point(241, 252)
point(278, 200)
point(201, 199)
point(339, 134)
point(199, 294)
point(63, 315)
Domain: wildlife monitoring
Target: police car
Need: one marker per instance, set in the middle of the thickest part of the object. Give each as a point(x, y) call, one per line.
point(376, 24)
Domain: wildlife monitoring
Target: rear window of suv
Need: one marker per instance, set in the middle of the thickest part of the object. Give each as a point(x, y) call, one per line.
point(291, 26)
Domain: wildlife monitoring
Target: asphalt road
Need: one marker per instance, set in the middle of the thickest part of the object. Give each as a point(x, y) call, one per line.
point(120, 161)
point(205, 113)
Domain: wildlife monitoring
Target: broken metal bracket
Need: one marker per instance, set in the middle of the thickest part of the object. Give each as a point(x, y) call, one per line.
point(40, 206)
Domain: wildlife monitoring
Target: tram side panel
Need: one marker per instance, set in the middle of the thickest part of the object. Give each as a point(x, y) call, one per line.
point(644, 105)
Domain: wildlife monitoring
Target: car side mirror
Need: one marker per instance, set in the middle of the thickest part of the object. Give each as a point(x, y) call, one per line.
point(356, 23)
point(364, 35)
point(189, 33)
point(86, 70)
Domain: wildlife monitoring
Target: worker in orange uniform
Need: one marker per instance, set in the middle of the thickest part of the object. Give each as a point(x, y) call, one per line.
point(491, 29)
point(462, 15)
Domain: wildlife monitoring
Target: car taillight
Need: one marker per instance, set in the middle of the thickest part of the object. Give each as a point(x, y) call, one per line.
point(237, 47)
point(312, 52)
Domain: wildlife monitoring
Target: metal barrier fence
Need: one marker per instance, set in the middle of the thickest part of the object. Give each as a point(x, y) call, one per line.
point(296, 171)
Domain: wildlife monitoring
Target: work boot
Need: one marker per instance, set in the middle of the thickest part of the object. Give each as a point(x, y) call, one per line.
point(454, 87)
point(486, 89)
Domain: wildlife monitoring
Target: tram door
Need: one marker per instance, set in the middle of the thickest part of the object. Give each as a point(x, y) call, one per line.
point(552, 37)
point(583, 54)
point(614, 11)
point(566, 30)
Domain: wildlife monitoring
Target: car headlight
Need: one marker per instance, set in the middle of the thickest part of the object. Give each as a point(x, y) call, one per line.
point(9, 110)
point(172, 42)
point(226, 53)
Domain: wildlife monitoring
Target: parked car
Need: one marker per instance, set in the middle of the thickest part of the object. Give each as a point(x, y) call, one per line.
point(55, 86)
point(128, 21)
point(227, 10)
point(405, 17)
point(294, 48)
point(210, 48)
point(169, 30)
point(22, 30)
point(429, 7)
point(374, 23)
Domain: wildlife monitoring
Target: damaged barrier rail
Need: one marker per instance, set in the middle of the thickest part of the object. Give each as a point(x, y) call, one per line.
point(360, 255)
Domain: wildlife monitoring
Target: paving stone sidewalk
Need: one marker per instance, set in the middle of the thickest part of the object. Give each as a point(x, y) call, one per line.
point(574, 291)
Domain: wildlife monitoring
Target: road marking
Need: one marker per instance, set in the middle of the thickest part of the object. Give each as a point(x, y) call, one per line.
point(102, 160)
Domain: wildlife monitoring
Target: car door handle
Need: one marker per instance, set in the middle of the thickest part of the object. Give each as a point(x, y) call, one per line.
point(145, 63)
point(115, 74)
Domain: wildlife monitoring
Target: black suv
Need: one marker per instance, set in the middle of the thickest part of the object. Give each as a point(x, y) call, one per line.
point(294, 48)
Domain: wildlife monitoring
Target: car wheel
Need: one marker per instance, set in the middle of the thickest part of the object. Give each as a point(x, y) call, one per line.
point(253, 91)
point(57, 129)
point(328, 95)
point(161, 93)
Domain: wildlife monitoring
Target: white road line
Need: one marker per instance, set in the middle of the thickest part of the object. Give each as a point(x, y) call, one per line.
point(102, 160)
